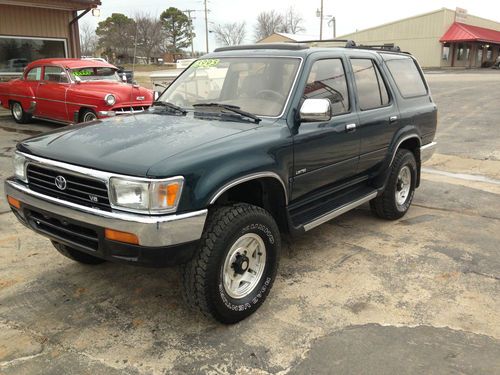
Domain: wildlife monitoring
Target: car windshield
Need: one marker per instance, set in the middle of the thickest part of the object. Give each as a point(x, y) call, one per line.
point(259, 85)
point(95, 74)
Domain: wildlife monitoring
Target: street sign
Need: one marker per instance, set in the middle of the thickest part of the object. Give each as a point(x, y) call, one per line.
point(460, 15)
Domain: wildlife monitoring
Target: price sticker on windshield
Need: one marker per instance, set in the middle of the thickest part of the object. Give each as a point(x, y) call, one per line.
point(82, 72)
point(206, 63)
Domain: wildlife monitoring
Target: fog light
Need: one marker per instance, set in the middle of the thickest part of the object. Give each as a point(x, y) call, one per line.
point(14, 202)
point(116, 235)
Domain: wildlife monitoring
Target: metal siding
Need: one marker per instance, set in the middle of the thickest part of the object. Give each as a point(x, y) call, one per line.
point(35, 22)
point(418, 35)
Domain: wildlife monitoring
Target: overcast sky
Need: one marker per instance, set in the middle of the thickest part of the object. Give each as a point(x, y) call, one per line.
point(351, 15)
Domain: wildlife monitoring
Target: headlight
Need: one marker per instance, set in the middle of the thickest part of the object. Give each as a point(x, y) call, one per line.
point(153, 196)
point(110, 99)
point(19, 162)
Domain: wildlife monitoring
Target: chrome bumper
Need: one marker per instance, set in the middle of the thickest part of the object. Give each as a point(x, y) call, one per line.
point(426, 151)
point(152, 231)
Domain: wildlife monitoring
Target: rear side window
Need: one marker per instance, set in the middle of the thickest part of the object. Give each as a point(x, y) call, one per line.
point(372, 91)
point(55, 74)
point(407, 77)
point(327, 81)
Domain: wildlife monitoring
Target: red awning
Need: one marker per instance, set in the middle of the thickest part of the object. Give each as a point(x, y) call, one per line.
point(460, 32)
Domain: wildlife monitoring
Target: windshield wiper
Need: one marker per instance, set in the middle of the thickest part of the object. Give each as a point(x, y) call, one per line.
point(231, 108)
point(170, 106)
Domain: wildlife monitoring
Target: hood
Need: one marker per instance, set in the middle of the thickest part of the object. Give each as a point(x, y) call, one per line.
point(124, 92)
point(130, 145)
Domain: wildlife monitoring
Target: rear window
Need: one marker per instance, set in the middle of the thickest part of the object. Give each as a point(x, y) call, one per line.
point(407, 77)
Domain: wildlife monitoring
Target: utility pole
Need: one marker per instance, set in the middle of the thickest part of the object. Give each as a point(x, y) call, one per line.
point(189, 11)
point(321, 22)
point(206, 24)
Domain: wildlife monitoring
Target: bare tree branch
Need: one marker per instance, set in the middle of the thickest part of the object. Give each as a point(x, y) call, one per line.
point(230, 34)
point(292, 21)
point(88, 39)
point(268, 23)
point(149, 35)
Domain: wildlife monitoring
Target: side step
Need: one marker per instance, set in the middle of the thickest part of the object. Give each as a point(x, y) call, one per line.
point(339, 211)
point(308, 216)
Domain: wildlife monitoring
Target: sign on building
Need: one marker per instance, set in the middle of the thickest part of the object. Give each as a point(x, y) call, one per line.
point(460, 15)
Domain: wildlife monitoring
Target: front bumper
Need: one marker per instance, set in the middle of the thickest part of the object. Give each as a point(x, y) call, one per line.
point(155, 233)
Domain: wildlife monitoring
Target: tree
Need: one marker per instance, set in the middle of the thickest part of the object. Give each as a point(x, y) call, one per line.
point(292, 22)
point(88, 39)
point(230, 34)
point(268, 23)
point(178, 30)
point(117, 34)
point(149, 35)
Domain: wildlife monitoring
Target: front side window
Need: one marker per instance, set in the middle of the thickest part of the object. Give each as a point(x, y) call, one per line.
point(95, 74)
point(55, 74)
point(34, 74)
point(17, 53)
point(371, 89)
point(327, 81)
point(259, 85)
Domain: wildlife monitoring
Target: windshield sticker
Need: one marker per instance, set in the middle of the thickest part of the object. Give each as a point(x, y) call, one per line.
point(206, 63)
point(82, 72)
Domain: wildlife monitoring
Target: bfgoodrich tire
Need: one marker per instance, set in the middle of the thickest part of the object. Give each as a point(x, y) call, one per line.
point(396, 199)
point(76, 255)
point(234, 268)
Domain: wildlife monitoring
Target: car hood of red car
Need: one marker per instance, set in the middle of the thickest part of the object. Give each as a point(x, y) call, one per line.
point(123, 91)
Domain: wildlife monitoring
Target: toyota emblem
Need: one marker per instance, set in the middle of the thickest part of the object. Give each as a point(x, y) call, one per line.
point(61, 183)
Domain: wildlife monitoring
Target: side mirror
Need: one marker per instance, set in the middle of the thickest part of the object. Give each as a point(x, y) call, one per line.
point(124, 77)
point(315, 110)
point(78, 79)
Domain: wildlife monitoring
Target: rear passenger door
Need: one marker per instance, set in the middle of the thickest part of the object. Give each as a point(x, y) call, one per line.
point(377, 111)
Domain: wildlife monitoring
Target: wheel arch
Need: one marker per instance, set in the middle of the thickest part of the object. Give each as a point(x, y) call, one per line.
point(264, 189)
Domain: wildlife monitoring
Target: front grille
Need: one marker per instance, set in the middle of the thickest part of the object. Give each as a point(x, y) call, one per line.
point(63, 230)
point(79, 189)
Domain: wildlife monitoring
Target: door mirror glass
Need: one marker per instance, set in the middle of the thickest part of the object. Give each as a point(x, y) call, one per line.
point(315, 110)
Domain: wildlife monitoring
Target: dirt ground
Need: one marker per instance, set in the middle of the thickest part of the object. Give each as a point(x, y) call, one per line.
point(357, 295)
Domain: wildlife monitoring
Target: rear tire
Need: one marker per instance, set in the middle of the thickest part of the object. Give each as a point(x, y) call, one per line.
point(76, 255)
point(233, 270)
point(396, 199)
point(19, 114)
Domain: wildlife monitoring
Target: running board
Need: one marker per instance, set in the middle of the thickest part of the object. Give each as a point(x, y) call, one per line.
point(339, 211)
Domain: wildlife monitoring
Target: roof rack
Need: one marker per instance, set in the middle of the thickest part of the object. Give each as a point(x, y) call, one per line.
point(348, 42)
point(281, 46)
point(384, 47)
point(352, 44)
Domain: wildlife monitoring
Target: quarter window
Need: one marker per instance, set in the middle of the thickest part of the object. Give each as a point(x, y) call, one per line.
point(34, 74)
point(407, 77)
point(327, 81)
point(55, 74)
point(372, 91)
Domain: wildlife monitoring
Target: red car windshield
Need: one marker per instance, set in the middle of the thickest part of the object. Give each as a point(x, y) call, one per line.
point(95, 74)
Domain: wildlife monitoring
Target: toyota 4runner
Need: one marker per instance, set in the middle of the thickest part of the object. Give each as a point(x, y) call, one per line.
point(247, 144)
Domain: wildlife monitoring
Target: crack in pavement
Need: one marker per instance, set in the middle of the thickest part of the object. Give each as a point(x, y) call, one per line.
point(455, 211)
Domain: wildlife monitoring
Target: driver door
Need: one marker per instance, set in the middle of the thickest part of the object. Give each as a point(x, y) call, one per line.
point(326, 153)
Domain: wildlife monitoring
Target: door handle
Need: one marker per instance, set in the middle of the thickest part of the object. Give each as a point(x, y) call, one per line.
point(349, 128)
point(393, 118)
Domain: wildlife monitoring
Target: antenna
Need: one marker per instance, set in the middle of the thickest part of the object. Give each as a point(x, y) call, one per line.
point(133, 71)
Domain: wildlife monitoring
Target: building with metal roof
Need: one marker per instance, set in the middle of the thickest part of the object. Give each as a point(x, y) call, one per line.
point(442, 38)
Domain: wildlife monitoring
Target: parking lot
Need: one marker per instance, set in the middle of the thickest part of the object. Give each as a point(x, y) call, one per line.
point(355, 295)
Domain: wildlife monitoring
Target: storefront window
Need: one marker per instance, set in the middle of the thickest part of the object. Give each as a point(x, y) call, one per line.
point(16, 53)
point(446, 51)
point(460, 52)
point(489, 53)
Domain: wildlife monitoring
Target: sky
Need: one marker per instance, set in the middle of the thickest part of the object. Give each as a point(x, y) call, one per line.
point(351, 15)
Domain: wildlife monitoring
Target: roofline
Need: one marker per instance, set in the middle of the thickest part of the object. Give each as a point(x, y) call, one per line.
point(413, 17)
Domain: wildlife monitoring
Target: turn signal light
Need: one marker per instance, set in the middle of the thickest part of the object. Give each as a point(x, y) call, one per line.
point(116, 235)
point(14, 202)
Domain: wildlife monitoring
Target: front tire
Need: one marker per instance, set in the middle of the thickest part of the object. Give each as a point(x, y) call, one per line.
point(77, 256)
point(396, 199)
point(231, 274)
point(88, 115)
point(19, 114)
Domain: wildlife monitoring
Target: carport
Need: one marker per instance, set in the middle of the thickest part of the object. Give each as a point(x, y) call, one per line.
point(470, 46)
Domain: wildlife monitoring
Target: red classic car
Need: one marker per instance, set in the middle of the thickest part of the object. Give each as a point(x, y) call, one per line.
point(70, 91)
